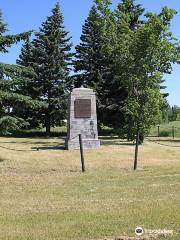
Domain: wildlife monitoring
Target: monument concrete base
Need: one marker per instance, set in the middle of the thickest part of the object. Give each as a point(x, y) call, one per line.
point(82, 119)
point(87, 144)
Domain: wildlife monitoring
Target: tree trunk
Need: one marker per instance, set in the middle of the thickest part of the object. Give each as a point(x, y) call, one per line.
point(136, 150)
point(47, 119)
point(48, 130)
point(141, 138)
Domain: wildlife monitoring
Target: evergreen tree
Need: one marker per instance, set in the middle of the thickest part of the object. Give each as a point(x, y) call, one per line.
point(49, 56)
point(29, 88)
point(90, 63)
point(25, 58)
point(132, 13)
point(95, 63)
point(11, 77)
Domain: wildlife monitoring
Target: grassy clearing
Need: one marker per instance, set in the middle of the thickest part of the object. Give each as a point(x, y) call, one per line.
point(166, 129)
point(45, 196)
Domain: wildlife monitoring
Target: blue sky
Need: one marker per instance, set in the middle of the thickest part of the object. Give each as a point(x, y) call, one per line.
point(23, 15)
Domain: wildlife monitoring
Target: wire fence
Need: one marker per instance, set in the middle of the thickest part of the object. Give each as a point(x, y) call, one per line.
point(171, 132)
point(165, 131)
point(171, 144)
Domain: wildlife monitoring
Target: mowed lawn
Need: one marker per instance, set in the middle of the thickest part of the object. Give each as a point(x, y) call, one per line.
point(44, 195)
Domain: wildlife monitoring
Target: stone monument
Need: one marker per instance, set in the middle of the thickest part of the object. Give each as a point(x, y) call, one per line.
point(82, 119)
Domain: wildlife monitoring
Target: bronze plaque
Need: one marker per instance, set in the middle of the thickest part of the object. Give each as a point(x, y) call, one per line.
point(82, 108)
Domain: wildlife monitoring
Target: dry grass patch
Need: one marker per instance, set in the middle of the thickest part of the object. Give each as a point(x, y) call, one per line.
point(44, 195)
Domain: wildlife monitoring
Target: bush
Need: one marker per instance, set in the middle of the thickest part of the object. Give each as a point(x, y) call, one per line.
point(164, 133)
point(9, 124)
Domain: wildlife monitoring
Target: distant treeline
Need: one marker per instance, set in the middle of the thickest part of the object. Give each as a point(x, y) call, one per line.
point(172, 114)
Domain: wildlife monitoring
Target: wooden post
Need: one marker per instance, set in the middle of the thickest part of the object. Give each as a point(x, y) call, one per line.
point(158, 130)
point(136, 150)
point(173, 132)
point(82, 153)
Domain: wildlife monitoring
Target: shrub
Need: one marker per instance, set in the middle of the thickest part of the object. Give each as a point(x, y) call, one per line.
point(164, 133)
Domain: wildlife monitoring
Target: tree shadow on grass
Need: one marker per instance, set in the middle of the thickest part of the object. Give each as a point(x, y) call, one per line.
point(35, 134)
point(117, 143)
point(29, 142)
point(37, 146)
point(109, 140)
point(109, 137)
point(59, 147)
point(165, 140)
point(16, 150)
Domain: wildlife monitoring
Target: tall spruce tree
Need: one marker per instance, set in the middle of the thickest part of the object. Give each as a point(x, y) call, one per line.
point(49, 56)
point(26, 58)
point(11, 77)
point(91, 65)
point(30, 88)
point(131, 11)
point(89, 59)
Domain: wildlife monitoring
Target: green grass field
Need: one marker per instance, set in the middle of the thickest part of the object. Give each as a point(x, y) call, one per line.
point(166, 129)
point(44, 195)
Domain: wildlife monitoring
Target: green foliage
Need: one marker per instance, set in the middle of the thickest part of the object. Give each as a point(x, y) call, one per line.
point(142, 52)
point(129, 11)
point(9, 124)
point(7, 40)
point(122, 57)
point(89, 59)
point(178, 117)
point(91, 64)
point(153, 54)
point(96, 55)
point(164, 133)
point(12, 77)
point(118, 26)
point(49, 56)
point(26, 56)
point(173, 113)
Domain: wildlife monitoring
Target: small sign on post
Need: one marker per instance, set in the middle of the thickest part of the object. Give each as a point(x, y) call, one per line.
point(82, 153)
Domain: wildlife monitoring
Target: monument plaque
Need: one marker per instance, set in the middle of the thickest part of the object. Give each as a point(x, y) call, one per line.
point(82, 108)
point(82, 119)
